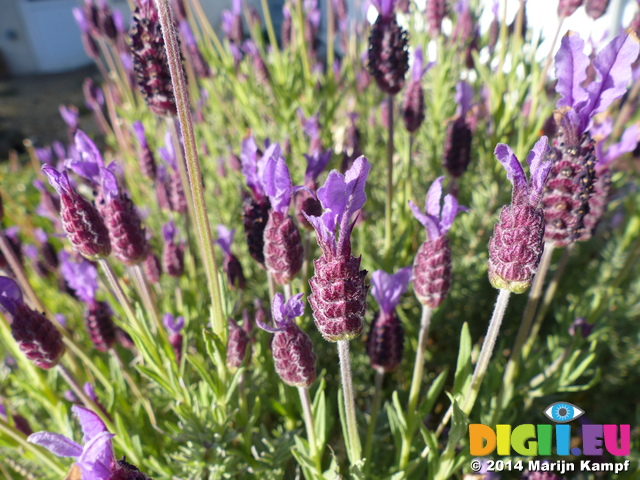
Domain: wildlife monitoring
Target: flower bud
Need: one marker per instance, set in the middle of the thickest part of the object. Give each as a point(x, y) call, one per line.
point(37, 337)
point(432, 272)
point(128, 236)
point(237, 345)
point(385, 342)
point(19, 422)
point(100, 326)
point(283, 251)
point(152, 268)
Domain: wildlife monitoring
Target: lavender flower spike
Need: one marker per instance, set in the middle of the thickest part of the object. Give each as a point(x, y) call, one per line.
point(36, 336)
point(230, 264)
point(385, 343)
point(432, 264)
point(283, 250)
point(338, 290)
point(173, 253)
point(457, 145)
point(413, 105)
point(516, 245)
point(95, 458)
point(292, 349)
point(81, 221)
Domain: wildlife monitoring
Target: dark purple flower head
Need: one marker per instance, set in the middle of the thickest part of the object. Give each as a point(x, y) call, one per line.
point(253, 164)
point(316, 163)
point(276, 180)
point(95, 458)
point(437, 219)
point(225, 238)
point(81, 276)
point(342, 196)
point(173, 324)
point(580, 326)
point(387, 288)
point(577, 104)
point(526, 192)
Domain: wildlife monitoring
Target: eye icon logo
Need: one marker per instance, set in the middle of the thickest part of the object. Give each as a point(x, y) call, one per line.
point(563, 412)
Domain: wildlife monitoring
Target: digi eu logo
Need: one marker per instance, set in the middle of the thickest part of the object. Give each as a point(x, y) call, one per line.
point(532, 440)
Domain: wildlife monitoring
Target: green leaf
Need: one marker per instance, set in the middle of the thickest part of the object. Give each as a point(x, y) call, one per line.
point(463, 367)
point(432, 395)
point(319, 409)
point(157, 378)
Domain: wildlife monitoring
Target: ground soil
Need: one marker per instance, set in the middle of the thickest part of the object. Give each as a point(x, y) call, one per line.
point(29, 108)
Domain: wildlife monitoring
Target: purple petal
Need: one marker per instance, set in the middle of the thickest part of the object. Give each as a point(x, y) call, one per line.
point(430, 223)
point(174, 325)
point(294, 307)
point(387, 288)
point(449, 211)
point(31, 251)
point(97, 457)
point(57, 444)
point(326, 237)
point(515, 173)
point(81, 20)
point(90, 423)
point(10, 294)
point(601, 131)
point(277, 306)
point(45, 155)
point(332, 196)
point(613, 65)
point(169, 231)
point(316, 163)
point(249, 161)
point(87, 149)
point(571, 70)
point(187, 33)
point(539, 169)
point(138, 128)
point(356, 178)
point(311, 125)
point(41, 235)
point(276, 180)
point(109, 183)
point(385, 7)
point(59, 181)
point(81, 276)
point(627, 143)
point(70, 115)
point(225, 238)
point(418, 61)
point(90, 391)
point(168, 153)
point(464, 97)
point(434, 195)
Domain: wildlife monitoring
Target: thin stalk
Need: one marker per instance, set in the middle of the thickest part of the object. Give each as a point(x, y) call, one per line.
point(147, 300)
point(511, 368)
point(416, 382)
point(330, 37)
point(273, 39)
point(287, 291)
point(389, 198)
point(206, 27)
point(272, 286)
point(219, 323)
point(117, 289)
point(354, 448)
point(39, 452)
point(626, 110)
point(407, 182)
point(303, 45)
point(483, 359)
point(548, 298)
point(375, 410)
point(177, 146)
point(311, 432)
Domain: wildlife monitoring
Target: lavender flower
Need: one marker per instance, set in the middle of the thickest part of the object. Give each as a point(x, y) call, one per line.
point(338, 290)
point(230, 263)
point(146, 159)
point(256, 206)
point(596, 8)
point(385, 343)
point(70, 115)
point(174, 326)
point(260, 69)
point(570, 185)
point(35, 334)
point(286, 29)
point(413, 105)
point(351, 147)
point(457, 145)
point(19, 422)
point(152, 267)
point(292, 349)
point(150, 59)
point(432, 264)
point(95, 458)
point(200, 66)
point(388, 56)
point(232, 22)
point(566, 8)
point(128, 237)
point(516, 245)
point(237, 344)
point(81, 221)
point(283, 251)
point(177, 198)
point(173, 253)
point(580, 326)
point(88, 42)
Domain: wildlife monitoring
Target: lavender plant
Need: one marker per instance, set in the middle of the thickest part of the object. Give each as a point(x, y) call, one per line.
point(194, 392)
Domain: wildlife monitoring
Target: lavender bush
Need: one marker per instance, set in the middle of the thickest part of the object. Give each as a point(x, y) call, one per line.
point(128, 321)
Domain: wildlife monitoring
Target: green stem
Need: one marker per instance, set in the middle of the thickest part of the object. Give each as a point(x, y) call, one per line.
point(354, 447)
point(303, 45)
point(119, 293)
point(375, 410)
point(416, 382)
point(311, 432)
point(389, 197)
point(330, 37)
point(407, 182)
point(219, 323)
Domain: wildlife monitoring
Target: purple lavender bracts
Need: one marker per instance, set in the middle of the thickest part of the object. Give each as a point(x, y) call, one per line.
point(516, 245)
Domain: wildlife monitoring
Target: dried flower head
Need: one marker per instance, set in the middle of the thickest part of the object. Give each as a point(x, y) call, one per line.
point(292, 349)
point(516, 245)
point(338, 290)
